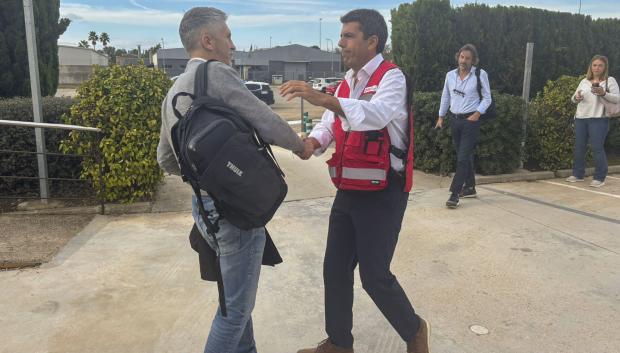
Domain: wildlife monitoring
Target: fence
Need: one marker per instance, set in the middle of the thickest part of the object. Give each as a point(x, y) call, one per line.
point(94, 153)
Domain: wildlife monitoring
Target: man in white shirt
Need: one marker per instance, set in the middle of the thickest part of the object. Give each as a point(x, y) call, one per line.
point(460, 96)
point(368, 109)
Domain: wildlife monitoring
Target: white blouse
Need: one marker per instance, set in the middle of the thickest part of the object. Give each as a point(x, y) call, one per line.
point(592, 106)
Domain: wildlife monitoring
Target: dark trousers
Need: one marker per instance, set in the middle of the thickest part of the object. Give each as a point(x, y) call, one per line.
point(464, 136)
point(363, 229)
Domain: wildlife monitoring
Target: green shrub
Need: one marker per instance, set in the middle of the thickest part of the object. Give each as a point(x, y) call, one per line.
point(22, 139)
point(125, 103)
point(551, 130)
point(498, 147)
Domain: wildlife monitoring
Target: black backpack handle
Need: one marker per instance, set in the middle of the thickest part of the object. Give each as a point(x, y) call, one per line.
point(177, 113)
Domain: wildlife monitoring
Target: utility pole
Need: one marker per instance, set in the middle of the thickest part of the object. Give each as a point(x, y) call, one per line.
point(35, 87)
point(269, 42)
point(527, 78)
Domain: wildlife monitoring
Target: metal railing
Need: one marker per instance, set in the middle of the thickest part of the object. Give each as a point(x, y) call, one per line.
point(94, 153)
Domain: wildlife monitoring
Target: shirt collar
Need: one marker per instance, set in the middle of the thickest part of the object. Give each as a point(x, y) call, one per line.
point(198, 59)
point(369, 68)
point(471, 71)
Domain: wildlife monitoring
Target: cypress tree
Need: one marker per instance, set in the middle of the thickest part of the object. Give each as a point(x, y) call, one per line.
point(14, 72)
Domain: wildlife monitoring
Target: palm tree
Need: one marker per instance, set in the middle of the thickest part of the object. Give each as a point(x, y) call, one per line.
point(105, 39)
point(83, 44)
point(93, 38)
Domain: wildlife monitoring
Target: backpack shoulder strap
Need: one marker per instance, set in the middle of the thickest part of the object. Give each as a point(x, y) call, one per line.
point(200, 79)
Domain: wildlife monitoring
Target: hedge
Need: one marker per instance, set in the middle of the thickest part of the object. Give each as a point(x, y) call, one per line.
point(23, 139)
point(427, 33)
point(125, 103)
point(498, 148)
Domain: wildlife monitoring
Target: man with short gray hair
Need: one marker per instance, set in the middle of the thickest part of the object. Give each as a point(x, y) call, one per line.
point(206, 36)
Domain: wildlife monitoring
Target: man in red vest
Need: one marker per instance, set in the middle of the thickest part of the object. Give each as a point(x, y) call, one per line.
point(370, 122)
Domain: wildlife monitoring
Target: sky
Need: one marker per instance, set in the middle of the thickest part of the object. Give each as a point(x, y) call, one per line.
point(256, 24)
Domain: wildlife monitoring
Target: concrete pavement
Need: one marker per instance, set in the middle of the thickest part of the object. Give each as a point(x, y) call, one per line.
point(535, 263)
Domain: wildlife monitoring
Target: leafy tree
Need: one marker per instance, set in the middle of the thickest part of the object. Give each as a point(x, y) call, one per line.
point(83, 44)
point(111, 53)
point(14, 71)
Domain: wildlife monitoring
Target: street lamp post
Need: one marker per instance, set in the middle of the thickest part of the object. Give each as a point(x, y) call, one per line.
point(163, 59)
point(320, 35)
point(327, 40)
point(35, 88)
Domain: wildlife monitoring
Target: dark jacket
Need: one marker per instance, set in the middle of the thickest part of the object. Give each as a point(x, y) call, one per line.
point(207, 257)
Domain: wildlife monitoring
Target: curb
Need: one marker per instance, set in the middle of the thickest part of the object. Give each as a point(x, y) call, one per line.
point(110, 209)
point(564, 173)
point(523, 175)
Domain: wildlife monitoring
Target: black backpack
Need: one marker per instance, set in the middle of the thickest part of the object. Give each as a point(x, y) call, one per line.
point(491, 112)
point(220, 153)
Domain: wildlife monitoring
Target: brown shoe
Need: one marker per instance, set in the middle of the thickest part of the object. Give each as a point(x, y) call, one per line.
point(421, 341)
point(326, 347)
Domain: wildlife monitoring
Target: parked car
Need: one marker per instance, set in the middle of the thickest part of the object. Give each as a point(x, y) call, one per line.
point(261, 90)
point(331, 88)
point(320, 84)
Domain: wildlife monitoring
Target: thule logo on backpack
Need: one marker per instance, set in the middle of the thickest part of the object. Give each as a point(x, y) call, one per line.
point(234, 168)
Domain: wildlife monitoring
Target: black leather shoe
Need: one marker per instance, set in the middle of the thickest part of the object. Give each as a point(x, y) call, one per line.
point(453, 201)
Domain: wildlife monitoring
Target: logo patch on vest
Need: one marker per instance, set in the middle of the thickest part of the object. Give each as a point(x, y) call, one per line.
point(370, 90)
point(234, 168)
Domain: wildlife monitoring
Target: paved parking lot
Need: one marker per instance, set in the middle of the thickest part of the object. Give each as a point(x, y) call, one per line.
point(535, 263)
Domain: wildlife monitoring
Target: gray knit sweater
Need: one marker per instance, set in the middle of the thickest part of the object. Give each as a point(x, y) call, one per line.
point(224, 84)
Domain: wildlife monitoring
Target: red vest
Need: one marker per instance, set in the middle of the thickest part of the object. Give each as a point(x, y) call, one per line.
point(362, 158)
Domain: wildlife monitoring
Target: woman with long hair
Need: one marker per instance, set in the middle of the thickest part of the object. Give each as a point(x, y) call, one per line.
point(591, 123)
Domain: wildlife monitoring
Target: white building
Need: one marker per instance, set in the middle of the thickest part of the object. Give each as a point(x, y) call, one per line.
point(76, 64)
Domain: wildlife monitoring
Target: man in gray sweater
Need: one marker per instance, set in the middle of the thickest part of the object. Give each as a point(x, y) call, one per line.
point(206, 36)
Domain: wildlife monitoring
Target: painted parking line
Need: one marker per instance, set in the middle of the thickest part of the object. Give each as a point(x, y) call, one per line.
point(554, 205)
point(582, 189)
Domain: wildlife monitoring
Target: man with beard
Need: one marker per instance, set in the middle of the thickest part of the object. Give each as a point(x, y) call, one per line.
point(460, 95)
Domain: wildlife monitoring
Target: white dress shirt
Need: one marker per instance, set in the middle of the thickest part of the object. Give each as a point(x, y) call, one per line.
point(386, 108)
point(461, 95)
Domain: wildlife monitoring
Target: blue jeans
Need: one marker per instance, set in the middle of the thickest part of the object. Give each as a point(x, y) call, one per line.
point(593, 130)
point(241, 254)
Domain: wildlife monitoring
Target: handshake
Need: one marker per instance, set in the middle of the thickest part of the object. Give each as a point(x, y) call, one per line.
point(310, 145)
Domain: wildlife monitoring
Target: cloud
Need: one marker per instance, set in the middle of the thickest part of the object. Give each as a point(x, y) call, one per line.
point(135, 3)
point(157, 18)
point(142, 17)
